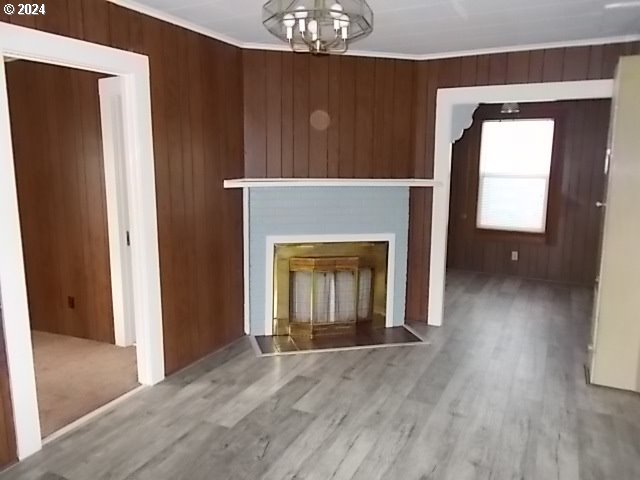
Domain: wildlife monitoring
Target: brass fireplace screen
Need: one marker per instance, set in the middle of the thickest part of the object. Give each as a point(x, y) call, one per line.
point(329, 288)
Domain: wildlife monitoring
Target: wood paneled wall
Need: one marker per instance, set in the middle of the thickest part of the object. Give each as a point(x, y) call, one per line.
point(557, 64)
point(383, 118)
point(571, 255)
point(370, 106)
point(55, 125)
point(196, 89)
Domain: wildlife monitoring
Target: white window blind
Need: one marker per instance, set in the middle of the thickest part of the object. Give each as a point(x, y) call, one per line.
point(515, 162)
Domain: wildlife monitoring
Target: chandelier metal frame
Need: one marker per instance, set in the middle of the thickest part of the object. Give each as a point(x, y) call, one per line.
point(318, 26)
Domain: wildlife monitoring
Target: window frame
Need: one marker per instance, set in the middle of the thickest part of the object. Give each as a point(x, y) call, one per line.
point(552, 111)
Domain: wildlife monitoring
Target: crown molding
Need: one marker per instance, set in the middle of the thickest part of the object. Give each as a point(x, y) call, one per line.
point(280, 47)
point(460, 53)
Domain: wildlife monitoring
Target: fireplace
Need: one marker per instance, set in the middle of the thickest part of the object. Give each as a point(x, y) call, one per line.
point(329, 289)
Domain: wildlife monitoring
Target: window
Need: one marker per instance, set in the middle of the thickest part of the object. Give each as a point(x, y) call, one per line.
point(514, 175)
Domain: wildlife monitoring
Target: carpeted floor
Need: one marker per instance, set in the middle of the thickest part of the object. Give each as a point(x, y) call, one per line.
point(75, 376)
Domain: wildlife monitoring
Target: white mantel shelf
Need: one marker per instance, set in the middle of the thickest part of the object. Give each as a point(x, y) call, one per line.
point(330, 182)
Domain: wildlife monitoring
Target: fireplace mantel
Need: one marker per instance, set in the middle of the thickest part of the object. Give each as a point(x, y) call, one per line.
point(330, 182)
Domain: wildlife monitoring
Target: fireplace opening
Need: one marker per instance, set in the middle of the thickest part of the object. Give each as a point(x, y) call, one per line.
point(329, 289)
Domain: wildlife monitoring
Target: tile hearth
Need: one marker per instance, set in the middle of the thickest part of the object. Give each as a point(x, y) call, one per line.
point(365, 336)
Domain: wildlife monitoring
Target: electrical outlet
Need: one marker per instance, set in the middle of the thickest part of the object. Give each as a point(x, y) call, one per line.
point(514, 256)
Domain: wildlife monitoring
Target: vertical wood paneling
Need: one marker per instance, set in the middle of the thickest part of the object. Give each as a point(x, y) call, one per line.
point(240, 139)
point(576, 65)
point(610, 56)
point(468, 69)
point(386, 69)
point(518, 67)
point(347, 117)
point(569, 257)
point(371, 106)
point(536, 66)
point(301, 116)
point(497, 68)
point(287, 115)
point(61, 193)
point(374, 103)
point(364, 120)
point(333, 134)
point(273, 106)
point(553, 64)
point(420, 117)
point(402, 120)
point(255, 113)
point(198, 110)
point(318, 102)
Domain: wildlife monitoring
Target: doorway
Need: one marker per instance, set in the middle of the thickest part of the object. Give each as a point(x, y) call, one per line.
point(27, 44)
point(82, 359)
point(454, 109)
point(525, 181)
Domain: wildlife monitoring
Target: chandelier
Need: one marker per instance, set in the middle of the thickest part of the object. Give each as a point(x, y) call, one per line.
point(318, 26)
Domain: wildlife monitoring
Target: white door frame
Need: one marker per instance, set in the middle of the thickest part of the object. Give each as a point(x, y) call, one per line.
point(447, 100)
point(28, 44)
point(114, 137)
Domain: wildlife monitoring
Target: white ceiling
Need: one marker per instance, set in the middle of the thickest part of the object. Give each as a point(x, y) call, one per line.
point(423, 28)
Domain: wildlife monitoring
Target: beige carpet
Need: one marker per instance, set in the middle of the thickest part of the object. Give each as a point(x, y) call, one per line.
point(75, 376)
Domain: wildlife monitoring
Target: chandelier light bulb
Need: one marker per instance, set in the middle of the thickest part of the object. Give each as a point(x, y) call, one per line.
point(289, 20)
point(344, 26)
point(313, 29)
point(301, 15)
point(336, 10)
point(336, 13)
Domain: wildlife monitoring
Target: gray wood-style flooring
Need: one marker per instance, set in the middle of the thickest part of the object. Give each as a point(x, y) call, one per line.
point(499, 393)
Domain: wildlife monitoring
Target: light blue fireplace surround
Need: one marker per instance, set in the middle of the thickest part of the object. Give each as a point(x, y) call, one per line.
point(324, 211)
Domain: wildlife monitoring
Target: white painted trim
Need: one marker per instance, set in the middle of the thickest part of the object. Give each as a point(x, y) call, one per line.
point(456, 53)
point(447, 99)
point(328, 182)
point(282, 47)
point(245, 259)
point(113, 137)
point(272, 240)
point(13, 288)
point(30, 44)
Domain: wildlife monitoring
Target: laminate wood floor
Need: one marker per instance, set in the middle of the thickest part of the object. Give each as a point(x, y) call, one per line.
point(499, 393)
